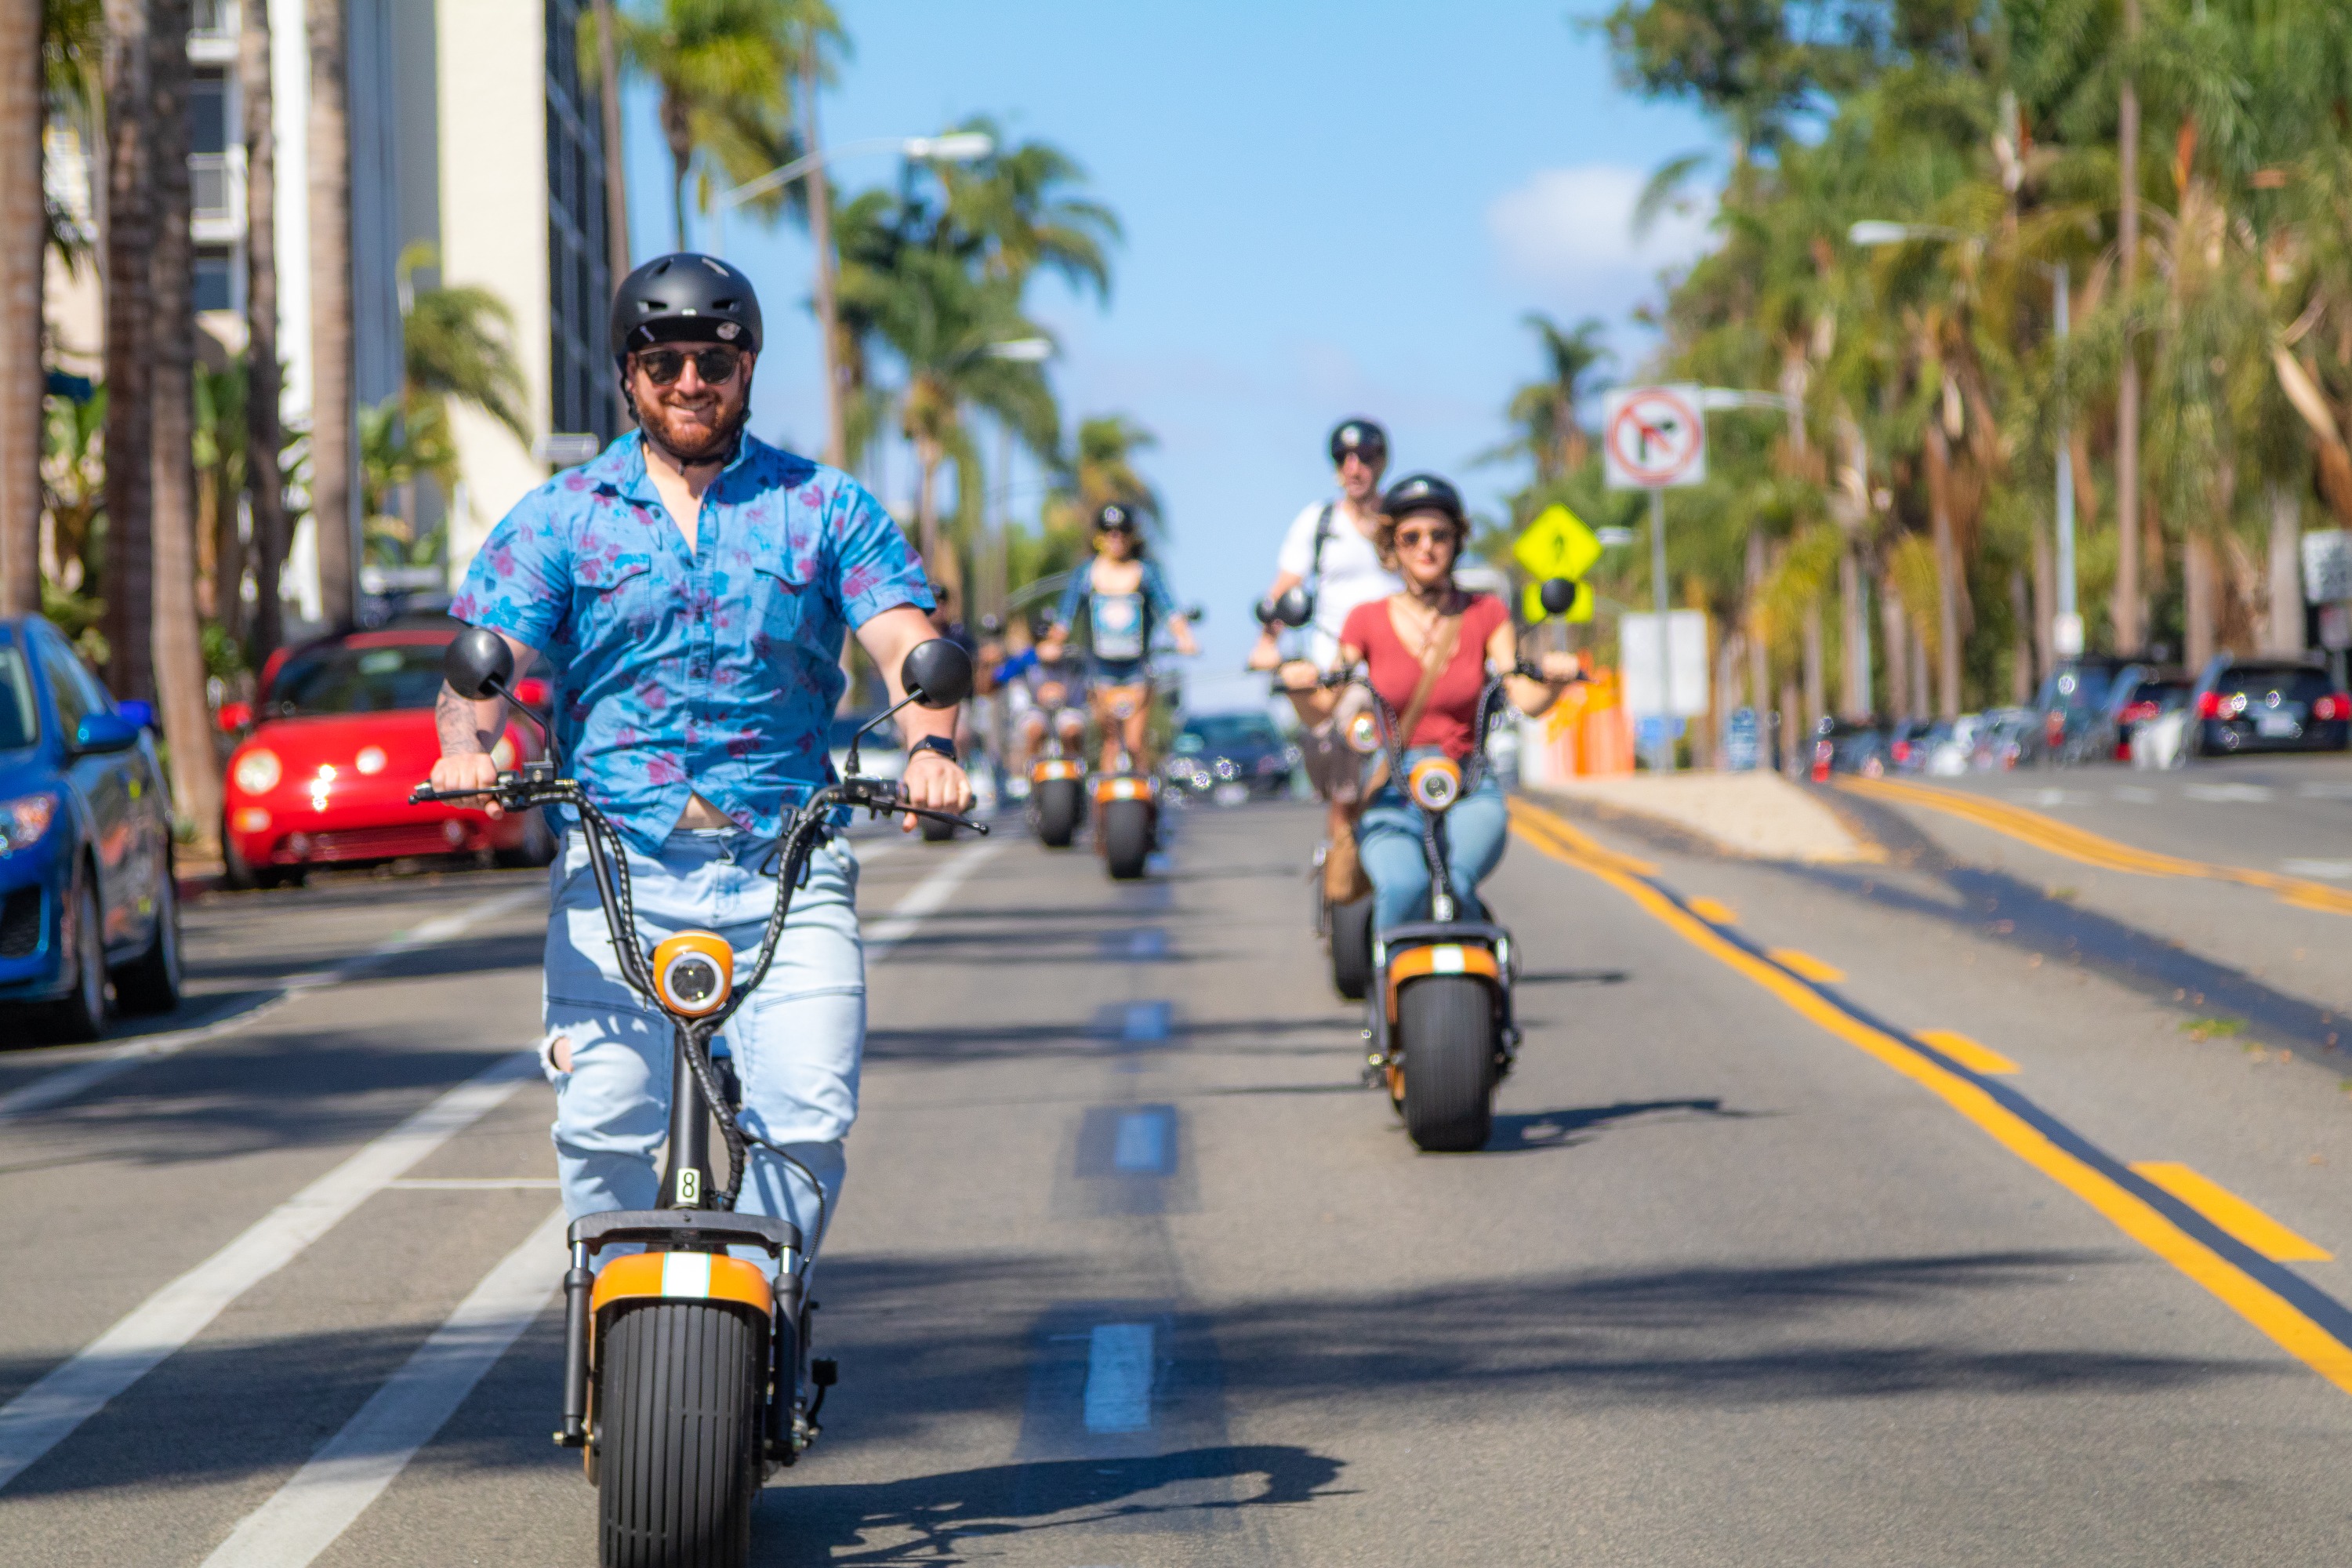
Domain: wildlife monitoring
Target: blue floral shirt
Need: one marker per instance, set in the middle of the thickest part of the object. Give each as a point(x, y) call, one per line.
point(714, 671)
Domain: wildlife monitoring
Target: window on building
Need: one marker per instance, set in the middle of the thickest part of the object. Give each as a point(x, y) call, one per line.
point(208, 112)
point(216, 279)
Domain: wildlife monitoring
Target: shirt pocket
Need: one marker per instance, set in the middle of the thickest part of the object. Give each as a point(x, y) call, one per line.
point(785, 607)
point(617, 601)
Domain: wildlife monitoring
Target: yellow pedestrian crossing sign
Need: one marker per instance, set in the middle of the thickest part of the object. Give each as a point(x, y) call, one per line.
point(1556, 544)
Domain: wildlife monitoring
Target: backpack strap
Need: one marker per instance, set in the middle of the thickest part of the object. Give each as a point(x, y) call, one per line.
point(1322, 537)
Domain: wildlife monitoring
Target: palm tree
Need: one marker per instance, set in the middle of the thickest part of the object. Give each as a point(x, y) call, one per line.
point(333, 424)
point(1543, 412)
point(1103, 467)
point(457, 342)
point(723, 70)
point(23, 241)
point(133, 170)
point(1015, 210)
point(264, 436)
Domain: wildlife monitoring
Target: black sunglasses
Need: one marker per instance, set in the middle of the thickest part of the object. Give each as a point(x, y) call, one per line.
point(717, 367)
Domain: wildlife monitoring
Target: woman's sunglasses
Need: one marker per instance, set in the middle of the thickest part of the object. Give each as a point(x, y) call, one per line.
point(1423, 538)
point(717, 367)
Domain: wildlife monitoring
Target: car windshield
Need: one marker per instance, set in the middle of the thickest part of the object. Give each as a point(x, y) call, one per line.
point(20, 719)
point(346, 680)
point(1227, 731)
point(2165, 695)
point(2267, 687)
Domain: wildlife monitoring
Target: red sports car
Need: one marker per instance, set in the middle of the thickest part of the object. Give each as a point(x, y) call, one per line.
point(342, 732)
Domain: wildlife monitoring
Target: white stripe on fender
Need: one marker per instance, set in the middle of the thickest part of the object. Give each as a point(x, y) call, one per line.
point(928, 897)
point(111, 1061)
point(353, 1468)
point(45, 1414)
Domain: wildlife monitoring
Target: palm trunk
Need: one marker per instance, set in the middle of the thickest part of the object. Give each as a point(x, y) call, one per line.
point(1895, 630)
point(1920, 699)
point(1948, 571)
point(2201, 592)
point(334, 431)
point(1759, 667)
point(264, 439)
point(130, 176)
point(2284, 628)
point(1816, 674)
point(2129, 629)
point(1796, 751)
point(2021, 646)
point(2045, 601)
point(820, 190)
point(1854, 653)
point(24, 234)
point(179, 638)
point(927, 520)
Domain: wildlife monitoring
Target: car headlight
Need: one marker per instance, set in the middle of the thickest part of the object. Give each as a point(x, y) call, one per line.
point(258, 769)
point(25, 820)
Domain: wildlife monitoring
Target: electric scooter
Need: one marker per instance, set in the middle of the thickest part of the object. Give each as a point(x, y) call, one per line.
point(1346, 929)
point(1057, 783)
point(686, 1376)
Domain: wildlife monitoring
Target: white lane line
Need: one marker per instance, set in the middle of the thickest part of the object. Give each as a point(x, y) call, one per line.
point(45, 1414)
point(927, 897)
point(114, 1060)
point(353, 1468)
point(2336, 870)
point(1118, 1378)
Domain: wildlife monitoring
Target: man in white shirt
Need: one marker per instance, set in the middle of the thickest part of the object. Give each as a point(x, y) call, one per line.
point(1329, 547)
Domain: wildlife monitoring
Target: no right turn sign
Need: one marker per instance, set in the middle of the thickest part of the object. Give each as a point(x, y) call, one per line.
point(1653, 437)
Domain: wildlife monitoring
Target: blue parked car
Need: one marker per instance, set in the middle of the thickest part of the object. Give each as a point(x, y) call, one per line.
point(87, 895)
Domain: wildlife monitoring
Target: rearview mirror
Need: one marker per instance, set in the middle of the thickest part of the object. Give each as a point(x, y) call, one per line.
point(1296, 607)
point(478, 664)
point(105, 733)
point(1559, 595)
point(937, 673)
point(1197, 614)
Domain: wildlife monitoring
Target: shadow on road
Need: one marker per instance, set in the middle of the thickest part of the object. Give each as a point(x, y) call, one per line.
point(1525, 1132)
point(932, 1517)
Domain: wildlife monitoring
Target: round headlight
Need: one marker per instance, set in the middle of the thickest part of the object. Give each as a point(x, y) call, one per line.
point(258, 769)
point(692, 981)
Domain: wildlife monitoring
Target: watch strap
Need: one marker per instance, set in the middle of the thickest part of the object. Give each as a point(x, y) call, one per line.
point(939, 744)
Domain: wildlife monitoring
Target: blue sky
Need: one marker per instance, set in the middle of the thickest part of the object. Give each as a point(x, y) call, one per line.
point(1329, 209)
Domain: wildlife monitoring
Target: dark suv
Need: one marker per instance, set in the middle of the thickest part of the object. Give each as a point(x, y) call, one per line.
point(2268, 705)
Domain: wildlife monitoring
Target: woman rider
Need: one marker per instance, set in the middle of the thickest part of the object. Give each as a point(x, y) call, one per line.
point(1125, 600)
point(1432, 625)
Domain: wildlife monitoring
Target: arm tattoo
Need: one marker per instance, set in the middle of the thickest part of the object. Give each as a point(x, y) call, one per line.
point(458, 722)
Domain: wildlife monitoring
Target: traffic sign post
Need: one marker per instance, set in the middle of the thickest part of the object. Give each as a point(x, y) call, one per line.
point(1653, 438)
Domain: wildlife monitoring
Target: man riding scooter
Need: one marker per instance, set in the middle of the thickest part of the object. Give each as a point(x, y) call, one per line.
point(689, 589)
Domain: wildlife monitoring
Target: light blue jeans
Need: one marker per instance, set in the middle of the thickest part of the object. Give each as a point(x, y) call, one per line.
point(1388, 840)
point(796, 1040)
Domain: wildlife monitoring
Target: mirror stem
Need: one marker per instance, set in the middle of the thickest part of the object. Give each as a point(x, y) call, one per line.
point(870, 725)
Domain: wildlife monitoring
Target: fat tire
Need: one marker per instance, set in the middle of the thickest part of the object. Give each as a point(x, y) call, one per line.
point(1127, 837)
point(679, 1422)
point(150, 982)
point(1057, 812)
point(1446, 1024)
point(1351, 948)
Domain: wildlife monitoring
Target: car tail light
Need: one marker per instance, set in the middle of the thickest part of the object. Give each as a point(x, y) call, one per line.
point(256, 770)
point(1823, 755)
point(236, 716)
point(1902, 751)
point(2335, 705)
point(2209, 705)
point(2138, 712)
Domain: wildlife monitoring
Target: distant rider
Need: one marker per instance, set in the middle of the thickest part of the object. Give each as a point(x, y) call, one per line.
point(1432, 623)
point(689, 589)
point(1123, 601)
point(1044, 695)
point(1332, 550)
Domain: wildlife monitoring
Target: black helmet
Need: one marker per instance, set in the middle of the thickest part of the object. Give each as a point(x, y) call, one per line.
point(1362, 436)
point(685, 297)
point(1117, 514)
point(1424, 492)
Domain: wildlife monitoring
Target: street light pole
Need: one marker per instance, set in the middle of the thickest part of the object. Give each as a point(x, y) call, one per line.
point(2066, 626)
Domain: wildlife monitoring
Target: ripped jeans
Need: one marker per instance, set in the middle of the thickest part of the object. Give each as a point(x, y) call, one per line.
point(795, 1041)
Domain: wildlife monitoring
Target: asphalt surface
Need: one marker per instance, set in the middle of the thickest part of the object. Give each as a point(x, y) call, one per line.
point(1131, 1271)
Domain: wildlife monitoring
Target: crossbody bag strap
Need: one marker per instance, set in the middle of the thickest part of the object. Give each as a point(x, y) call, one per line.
point(1434, 659)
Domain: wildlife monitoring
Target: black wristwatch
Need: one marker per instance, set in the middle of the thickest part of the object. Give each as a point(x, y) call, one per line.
point(939, 744)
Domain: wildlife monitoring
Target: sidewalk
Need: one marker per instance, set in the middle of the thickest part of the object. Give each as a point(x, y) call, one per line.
point(1758, 815)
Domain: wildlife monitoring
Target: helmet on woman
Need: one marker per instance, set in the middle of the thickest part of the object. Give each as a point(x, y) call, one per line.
point(1424, 492)
point(685, 297)
point(1361, 437)
point(1116, 514)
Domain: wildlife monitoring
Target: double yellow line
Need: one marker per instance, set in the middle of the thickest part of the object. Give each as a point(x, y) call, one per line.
point(2076, 843)
point(2256, 1289)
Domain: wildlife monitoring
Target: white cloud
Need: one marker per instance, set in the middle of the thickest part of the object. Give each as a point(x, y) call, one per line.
point(1574, 228)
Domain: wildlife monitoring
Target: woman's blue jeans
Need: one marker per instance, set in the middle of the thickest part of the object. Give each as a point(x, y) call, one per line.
point(1388, 839)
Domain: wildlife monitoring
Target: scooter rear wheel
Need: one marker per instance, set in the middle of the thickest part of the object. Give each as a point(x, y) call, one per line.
point(1127, 837)
point(1056, 805)
point(678, 1416)
point(1445, 1026)
point(1351, 948)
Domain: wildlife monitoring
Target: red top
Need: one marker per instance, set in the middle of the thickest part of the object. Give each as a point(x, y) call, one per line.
point(1453, 707)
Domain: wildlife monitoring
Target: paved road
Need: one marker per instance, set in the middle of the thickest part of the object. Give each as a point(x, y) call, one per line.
point(1758, 1267)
